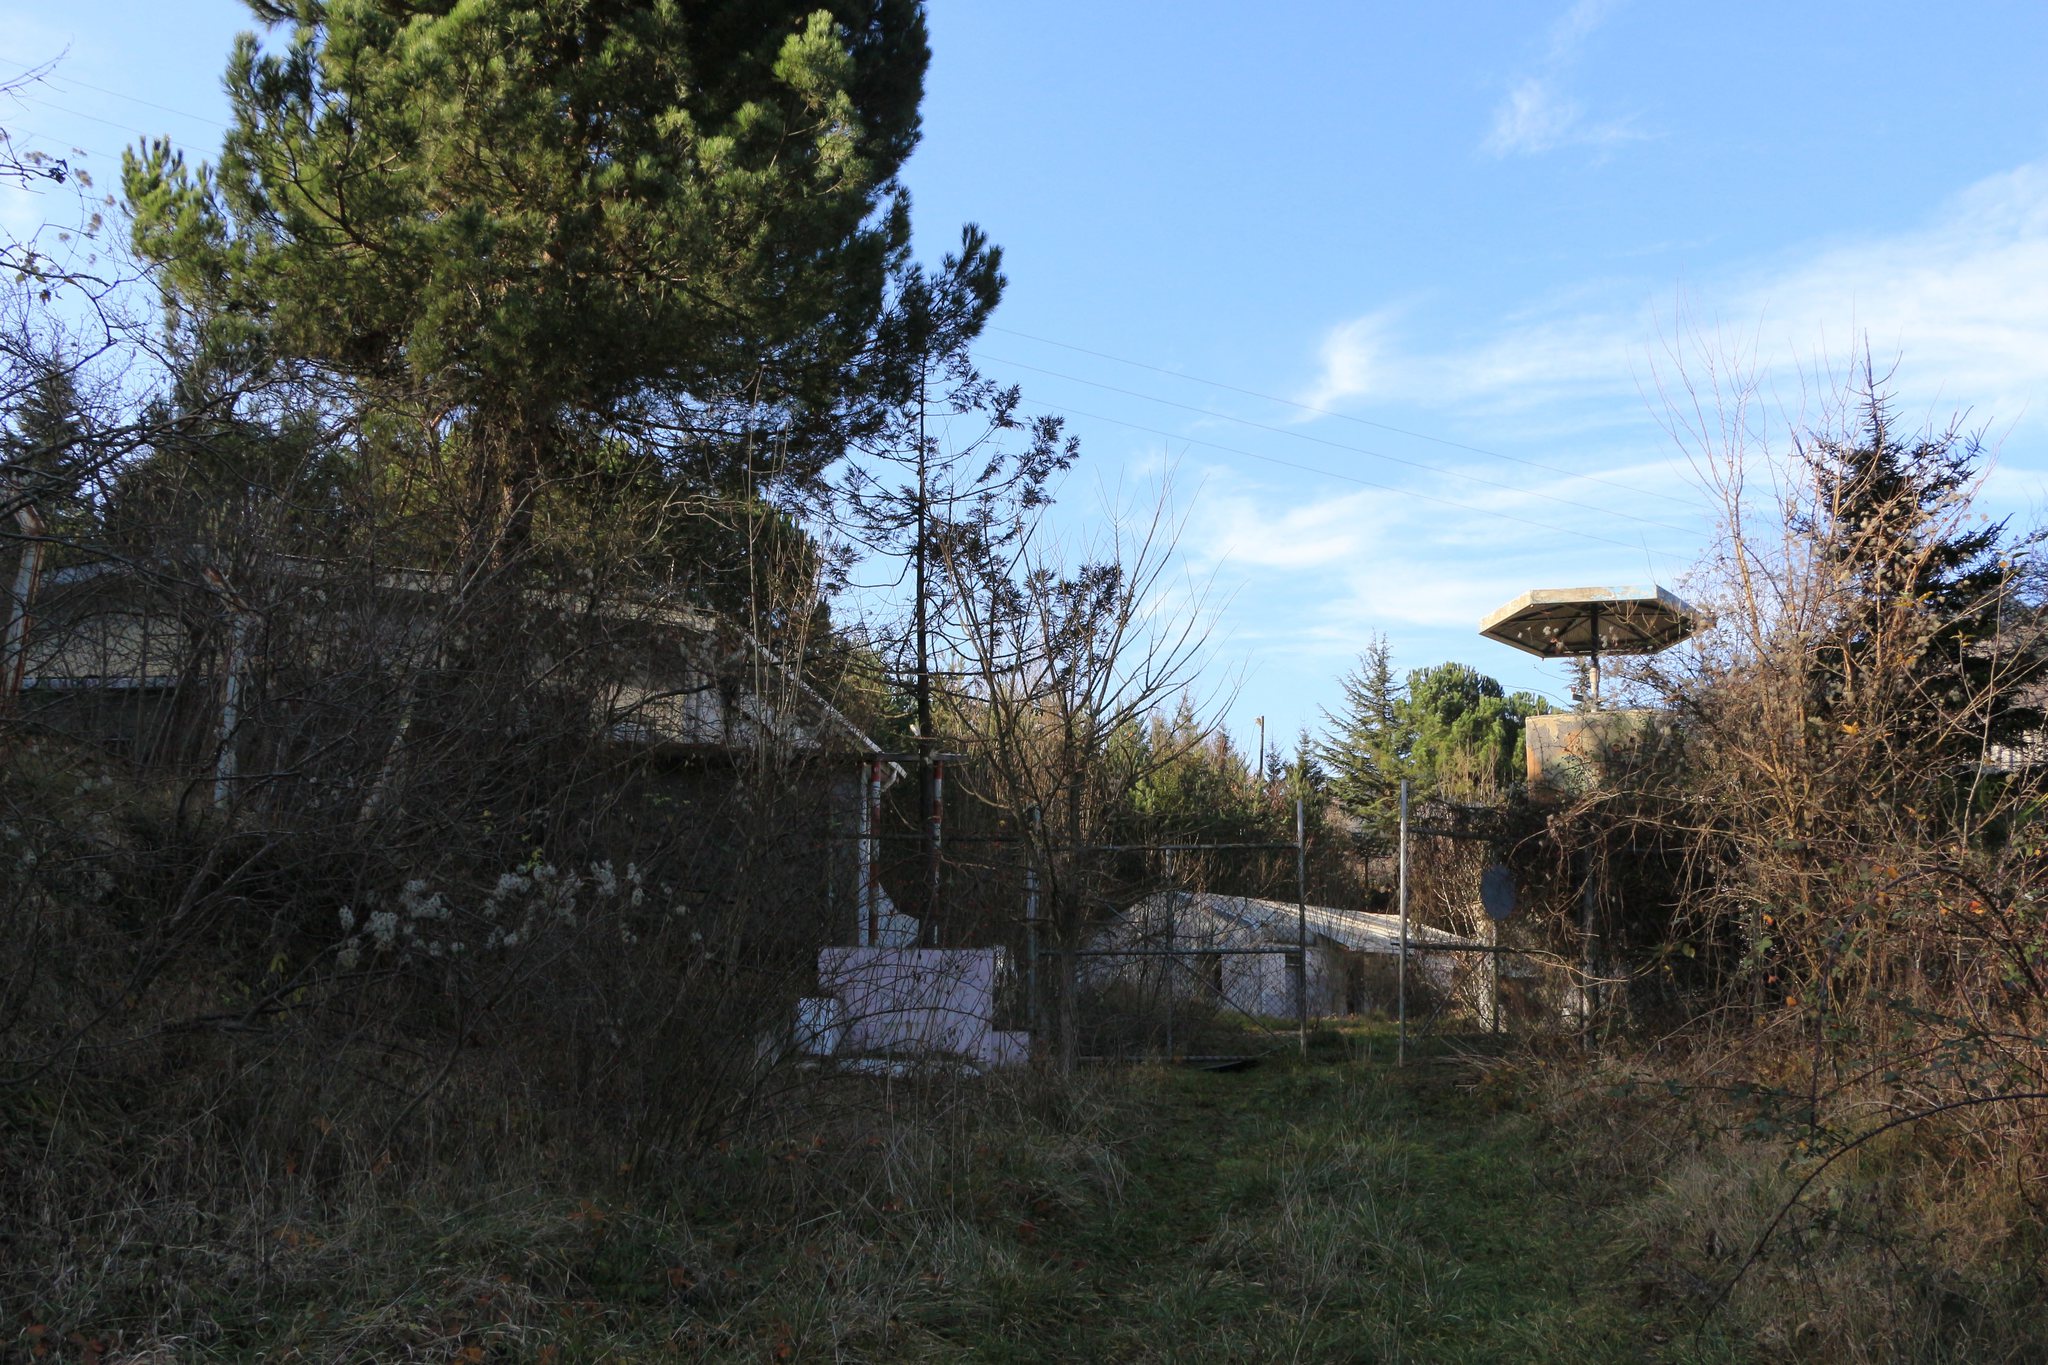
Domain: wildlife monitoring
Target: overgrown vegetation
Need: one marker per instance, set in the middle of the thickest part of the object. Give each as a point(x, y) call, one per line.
point(1329, 1210)
point(437, 740)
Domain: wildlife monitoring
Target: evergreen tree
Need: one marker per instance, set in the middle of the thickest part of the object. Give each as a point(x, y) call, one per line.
point(1367, 753)
point(1306, 778)
point(1465, 732)
point(1450, 730)
point(1924, 598)
point(945, 508)
point(1197, 785)
point(550, 224)
point(48, 453)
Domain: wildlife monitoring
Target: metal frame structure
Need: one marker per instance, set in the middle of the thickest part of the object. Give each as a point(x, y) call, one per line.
point(1036, 951)
point(1185, 963)
point(1584, 623)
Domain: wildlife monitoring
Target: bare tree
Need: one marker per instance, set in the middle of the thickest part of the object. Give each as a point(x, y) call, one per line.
point(1068, 658)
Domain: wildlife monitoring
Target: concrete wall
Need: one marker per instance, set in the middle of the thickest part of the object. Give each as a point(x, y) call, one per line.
point(1263, 983)
point(1577, 751)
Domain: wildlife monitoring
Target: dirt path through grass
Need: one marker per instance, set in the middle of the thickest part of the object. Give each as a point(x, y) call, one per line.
point(1336, 1209)
point(1332, 1211)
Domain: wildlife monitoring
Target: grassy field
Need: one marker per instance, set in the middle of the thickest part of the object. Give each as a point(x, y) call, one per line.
point(1336, 1209)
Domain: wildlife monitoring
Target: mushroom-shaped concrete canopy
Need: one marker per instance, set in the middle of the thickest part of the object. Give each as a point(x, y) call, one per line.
point(1563, 623)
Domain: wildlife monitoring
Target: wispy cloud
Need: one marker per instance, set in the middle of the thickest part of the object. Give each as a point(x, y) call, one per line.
point(1249, 527)
point(1961, 300)
point(1537, 116)
point(1312, 581)
point(1354, 356)
point(1569, 33)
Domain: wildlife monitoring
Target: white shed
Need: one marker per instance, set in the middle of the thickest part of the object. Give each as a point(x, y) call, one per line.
point(1240, 951)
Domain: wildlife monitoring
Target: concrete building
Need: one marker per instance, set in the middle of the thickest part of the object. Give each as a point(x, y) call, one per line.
point(1243, 953)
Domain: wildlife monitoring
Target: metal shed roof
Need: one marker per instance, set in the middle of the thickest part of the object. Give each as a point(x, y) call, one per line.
point(1554, 623)
point(1276, 922)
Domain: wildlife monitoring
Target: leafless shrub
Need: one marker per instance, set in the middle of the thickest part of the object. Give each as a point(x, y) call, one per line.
point(1844, 834)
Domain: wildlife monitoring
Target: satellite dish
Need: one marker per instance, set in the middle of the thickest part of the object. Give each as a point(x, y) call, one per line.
point(1497, 892)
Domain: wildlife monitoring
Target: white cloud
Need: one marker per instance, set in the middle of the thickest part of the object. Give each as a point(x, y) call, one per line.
point(1352, 357)
point(1373, 559)
point(1251, 528)
point(1570, 32)
point(1961, 302)
point(1536, 116)
point(1533, 118)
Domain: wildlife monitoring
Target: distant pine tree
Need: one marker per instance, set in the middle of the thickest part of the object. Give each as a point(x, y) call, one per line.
point(48, 449)
point(1306, 777)
point(1451, 730)
point(1366, 754)
point(1926, 602)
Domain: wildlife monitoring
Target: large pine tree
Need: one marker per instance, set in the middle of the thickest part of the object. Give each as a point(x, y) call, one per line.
point(1367, 751)
point(556, 226)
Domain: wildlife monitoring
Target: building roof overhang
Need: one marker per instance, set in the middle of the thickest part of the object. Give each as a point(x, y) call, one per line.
point(1564, 623)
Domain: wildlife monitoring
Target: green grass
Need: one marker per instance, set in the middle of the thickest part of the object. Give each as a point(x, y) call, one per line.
point(1336, 1209)
point(1328, 1211)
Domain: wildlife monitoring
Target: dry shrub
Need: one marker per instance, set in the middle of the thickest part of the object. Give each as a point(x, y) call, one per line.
point(1923, 1243)
point(1848, 877)
point(234, 1035)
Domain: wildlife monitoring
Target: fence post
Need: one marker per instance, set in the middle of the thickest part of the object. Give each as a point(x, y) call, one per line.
point(1401, 971)
point(1033, 1013)
point(1067, 931)
point(1301, 919)
point(935, 835)
point(1493, 975)
point(1589, 990)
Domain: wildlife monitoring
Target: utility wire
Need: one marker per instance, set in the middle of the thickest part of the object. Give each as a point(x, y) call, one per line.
point(80, 113)
point(1352, 478)
point(1339, 445)
point(66, 143)
point(1159, 369)
point(117, 94)
point(1348, 417)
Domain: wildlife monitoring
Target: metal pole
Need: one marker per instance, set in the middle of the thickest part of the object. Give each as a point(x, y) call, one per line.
point(1301, 915)
point(1493, 974)
point(1031, 923)
point(1595, 656)
point(1167, 977)
point(934, 840)
point(232, 656)
point(224, 766)
point(1401, 971)
point(862, 936)
point(1589, 993)
point(873, 890)
point(1068, 928)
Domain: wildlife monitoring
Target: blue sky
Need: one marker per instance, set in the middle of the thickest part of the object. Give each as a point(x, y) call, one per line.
point(1480, 236)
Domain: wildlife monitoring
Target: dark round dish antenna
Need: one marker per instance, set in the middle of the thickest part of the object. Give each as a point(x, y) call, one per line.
point(1497, 892)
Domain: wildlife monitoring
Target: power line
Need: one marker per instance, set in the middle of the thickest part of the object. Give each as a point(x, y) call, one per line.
point(1353, 478)
point(1348, 417)
point(1171, 436)
point(78, 113)
point(117, 94)
point(60, 141)
point(1423, 465)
